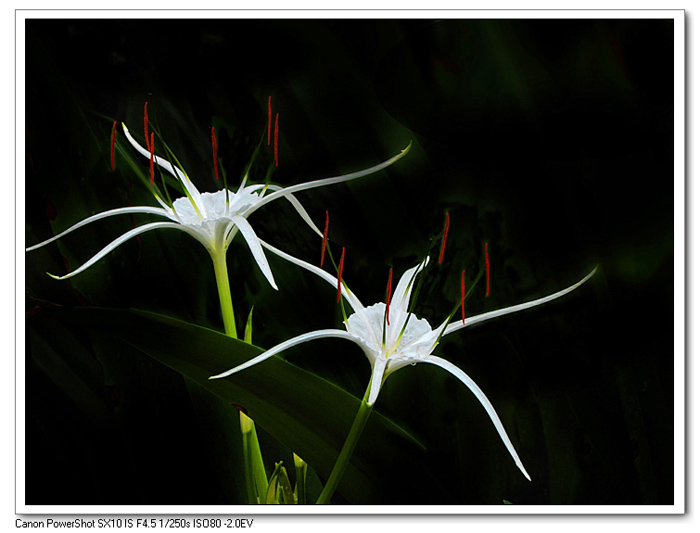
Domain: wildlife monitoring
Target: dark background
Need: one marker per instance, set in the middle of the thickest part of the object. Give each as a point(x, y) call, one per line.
point(552, 140)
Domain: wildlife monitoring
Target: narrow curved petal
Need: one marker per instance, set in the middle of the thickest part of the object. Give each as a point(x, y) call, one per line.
point(469, 382)
point(163, 163)
point(306, 337)
point(300, 209)
point(168, 167)
point(230, 233)
point(402, 294)
point(98, 216)
point(114, 244)
point(328, 181)
point(377, 379)
point(254, 244)
point(358, 308)
point(515, 308)
point(347, 293)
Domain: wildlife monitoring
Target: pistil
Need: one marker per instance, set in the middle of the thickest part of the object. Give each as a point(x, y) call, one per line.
point(145, 124)
point(213, 148)
point(325, 240)
point(444, 236)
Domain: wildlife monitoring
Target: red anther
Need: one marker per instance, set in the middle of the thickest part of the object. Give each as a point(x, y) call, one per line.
point(340, 272)
point(269, 118)
point(388, 295)
point(463, 315)
point(488, 269)
point(213, 148)
point(145, 124)
point(325, 240)
point(111, 149)
point(277, 132)
point(153, 145)
point(444, 237)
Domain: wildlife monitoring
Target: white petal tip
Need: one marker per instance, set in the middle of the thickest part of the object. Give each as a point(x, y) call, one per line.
point(54, 277)
point(522, 469)
point(372, 397)
point(227, 373)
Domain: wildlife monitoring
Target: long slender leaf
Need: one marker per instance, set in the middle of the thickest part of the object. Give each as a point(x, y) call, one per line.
point(309, 414)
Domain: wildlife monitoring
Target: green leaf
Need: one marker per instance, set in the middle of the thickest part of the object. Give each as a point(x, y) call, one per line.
point(300, 487)
point(280, 489)
point(307, 413)
point(248, 336)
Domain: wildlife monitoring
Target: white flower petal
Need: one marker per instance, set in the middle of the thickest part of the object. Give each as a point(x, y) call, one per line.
point(168, 167)
point(98, 216)
point(358, 308)
point(241, 200)
point(320, 334)
point(368, 324)
point(128, 235)
point(402, 294)
point(515, 308)
point(300, 209)
point(418, 339)
point(328, 181)
point(254, 244)
point(349, 296)
point(377, 378)
point(469, 382)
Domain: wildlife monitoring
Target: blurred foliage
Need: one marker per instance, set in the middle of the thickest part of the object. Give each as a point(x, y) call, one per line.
point(550, 139)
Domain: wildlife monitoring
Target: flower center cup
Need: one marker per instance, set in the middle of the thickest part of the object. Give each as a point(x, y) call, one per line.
point(214, 206)
point(414, 343)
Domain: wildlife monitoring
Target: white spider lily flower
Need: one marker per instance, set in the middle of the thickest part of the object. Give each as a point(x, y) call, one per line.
point(405, 340)
point(213, 219)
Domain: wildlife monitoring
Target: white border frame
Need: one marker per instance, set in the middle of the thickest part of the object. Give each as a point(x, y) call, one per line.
point(243, 510)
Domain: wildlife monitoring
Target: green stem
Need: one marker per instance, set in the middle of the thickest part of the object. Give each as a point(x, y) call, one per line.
point(256, 478)
point(247, 465)
point(221, 272)
point(346, 452)
point(256, 460)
